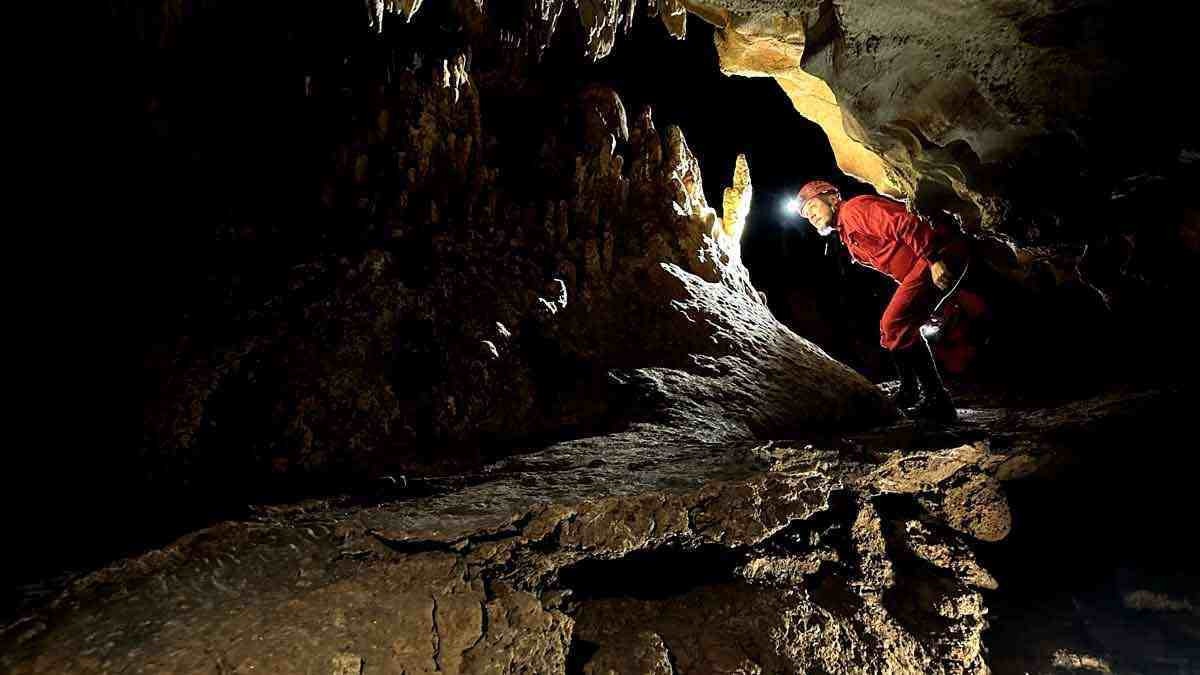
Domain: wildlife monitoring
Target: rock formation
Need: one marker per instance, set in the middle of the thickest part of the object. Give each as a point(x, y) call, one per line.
point(1023, 124)
point(632, 552)
point(477, 306)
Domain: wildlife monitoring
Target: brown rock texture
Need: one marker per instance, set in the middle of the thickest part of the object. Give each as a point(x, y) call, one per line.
point(631, 552)
point(916, 87)
point(493, 309)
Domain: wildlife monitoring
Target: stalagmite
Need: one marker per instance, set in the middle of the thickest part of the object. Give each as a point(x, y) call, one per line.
point(736, 200)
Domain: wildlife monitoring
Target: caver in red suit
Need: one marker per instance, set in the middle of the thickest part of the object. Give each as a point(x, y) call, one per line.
point(880, 233)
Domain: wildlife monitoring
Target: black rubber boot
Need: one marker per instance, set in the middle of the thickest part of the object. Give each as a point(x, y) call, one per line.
point(935, 404)
point(908, 394)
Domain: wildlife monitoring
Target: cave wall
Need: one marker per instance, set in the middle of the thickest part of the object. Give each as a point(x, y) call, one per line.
point(984, 100)
point(455, 257)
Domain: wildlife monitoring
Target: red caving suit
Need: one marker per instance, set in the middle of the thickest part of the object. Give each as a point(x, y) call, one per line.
point(881, 234)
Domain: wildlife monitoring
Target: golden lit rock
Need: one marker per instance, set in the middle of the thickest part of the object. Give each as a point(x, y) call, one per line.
point(719, 17)
point(772, 47)
point(735, 201)
point(674, 17)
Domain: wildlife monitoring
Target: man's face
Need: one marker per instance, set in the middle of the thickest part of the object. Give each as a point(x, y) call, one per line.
point(819, 213)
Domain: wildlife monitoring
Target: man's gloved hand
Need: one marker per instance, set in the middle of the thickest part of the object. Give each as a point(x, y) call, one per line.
point(942, 278)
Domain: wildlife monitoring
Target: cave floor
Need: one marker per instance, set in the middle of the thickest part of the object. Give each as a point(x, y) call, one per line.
point(1092, 575)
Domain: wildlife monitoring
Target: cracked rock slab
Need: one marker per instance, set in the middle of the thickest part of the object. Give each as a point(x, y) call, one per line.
point(821, 569)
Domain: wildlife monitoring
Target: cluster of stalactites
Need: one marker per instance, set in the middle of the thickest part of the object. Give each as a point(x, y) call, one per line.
point(376, 9)
point(601, 20)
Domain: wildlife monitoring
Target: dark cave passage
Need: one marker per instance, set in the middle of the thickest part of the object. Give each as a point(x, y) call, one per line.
point(1087, 542)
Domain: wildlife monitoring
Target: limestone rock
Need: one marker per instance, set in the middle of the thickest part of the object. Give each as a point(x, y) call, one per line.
point(599, 266)
point(736, 200)
point(674, 16)
point(798, 556)
point(644, 653)
point(601, 19)
point(347, 664)
point(945, 553)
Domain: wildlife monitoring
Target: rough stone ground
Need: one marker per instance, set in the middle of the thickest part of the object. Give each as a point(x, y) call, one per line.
point(621, 553)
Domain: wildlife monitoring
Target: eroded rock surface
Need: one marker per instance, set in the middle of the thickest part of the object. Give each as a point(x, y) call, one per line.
point(842, 554)
point(479, 308)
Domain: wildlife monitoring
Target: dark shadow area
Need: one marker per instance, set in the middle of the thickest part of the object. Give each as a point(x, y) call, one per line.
point(1119, 520)
point(652, 574)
